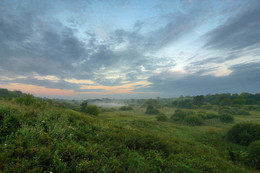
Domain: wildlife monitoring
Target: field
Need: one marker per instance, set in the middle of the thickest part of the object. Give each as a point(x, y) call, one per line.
point(37, 136)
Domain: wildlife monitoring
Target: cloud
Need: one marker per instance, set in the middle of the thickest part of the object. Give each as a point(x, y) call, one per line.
point(126, 88)
point(75, 81)
point(49, 77)
point(239, 32)
point(68, 50)
point(244, 78)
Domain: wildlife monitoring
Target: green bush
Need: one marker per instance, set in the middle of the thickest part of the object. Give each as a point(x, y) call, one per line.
point(226, 110)
point(226, 118)
point(242, 112)
point(92, 109)
point(10, 124)
point(27, 99)
point(202, 114)
point(180, 114)
point(193, 120)
point(254, 153)
point(151, 110)
point(211, 115)
point(161, 117)
point(126, 108)
point(244, 133)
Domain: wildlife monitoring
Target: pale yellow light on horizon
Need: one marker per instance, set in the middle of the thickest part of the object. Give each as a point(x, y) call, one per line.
point(48, 77)
point(125, 86)
point(76, 81)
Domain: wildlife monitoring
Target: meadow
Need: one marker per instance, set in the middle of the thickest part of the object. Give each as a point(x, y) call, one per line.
point(40, 135)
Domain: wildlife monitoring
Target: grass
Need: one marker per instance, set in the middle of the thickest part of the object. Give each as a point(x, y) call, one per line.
point(52, 139)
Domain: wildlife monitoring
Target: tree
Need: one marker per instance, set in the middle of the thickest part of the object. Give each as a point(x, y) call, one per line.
point(151, 110)
point(92, 109)
point(198, 100)
point(84, 105)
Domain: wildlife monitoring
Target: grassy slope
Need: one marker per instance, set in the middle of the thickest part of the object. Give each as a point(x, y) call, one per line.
point(45, 138)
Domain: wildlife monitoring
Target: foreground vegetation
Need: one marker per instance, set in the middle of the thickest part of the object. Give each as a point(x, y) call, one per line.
point(41, 136)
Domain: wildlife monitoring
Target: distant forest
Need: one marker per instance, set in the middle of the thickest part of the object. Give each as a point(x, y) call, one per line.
point(188, 102)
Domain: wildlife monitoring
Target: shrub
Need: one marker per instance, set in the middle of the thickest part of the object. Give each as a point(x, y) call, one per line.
point(179, 114)
point(207, 106)
point(226, 118)
point(254, 153)
point(202, 114)
point(193, 120)
point(226, 110)
point(10, 124)
point(161, 117)
point(242, 112)
point(211, 115)
point(151, 110)
point(244, 133)
point(27, 99)
point(126, 108)
point(92, 109)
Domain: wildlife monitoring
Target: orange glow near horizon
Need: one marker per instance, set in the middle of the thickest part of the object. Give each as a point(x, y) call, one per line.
point(107, 90)
point(37, 90)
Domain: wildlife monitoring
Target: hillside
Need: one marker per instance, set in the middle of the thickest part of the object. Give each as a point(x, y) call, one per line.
point(36, 136)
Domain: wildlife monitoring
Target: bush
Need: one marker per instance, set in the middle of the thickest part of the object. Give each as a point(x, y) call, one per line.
point(193, 120)
point(242, 112)
point(212, 115)
point(92, 109)
point(201, 114)
point(161, 117)
point(27, 99)
point(226, 110)
point(226, 118)
point(180, 114)
point(254, 153)
point(126, 108)
point(151, 110)
point(207, 106)
point(244, 133)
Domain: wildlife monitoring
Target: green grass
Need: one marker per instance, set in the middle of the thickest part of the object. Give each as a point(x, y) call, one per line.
point(50, 139)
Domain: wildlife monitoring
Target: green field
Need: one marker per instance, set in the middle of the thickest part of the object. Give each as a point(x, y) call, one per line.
point(41, 137)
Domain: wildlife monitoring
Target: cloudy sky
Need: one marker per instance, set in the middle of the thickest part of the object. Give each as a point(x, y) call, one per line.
point(129, 49)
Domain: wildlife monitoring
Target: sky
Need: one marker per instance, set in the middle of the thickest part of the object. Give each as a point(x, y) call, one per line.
point(79, 49)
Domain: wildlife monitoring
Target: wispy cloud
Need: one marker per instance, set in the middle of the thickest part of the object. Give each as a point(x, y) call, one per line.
point(76, 81)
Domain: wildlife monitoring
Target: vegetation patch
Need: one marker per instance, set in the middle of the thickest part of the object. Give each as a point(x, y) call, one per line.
point(193, 120)
point(244, 133)
point(226, 118)
point(126, 108)
point(161, 117)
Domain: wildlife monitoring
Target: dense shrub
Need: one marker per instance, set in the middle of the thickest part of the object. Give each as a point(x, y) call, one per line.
point(9, 123)
point(244, 133)
point(161, 117)
point(226, 110)
point(207, 106)
point(211, 115)
point(151, 110)
point(92, 109)
point(180, 114)
point(193, 120)
point(226, 118)
point(27, 99)
point(254, 153)
point(242, 112)
point(202, 114)
point(126, 108)
point(61, 140)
